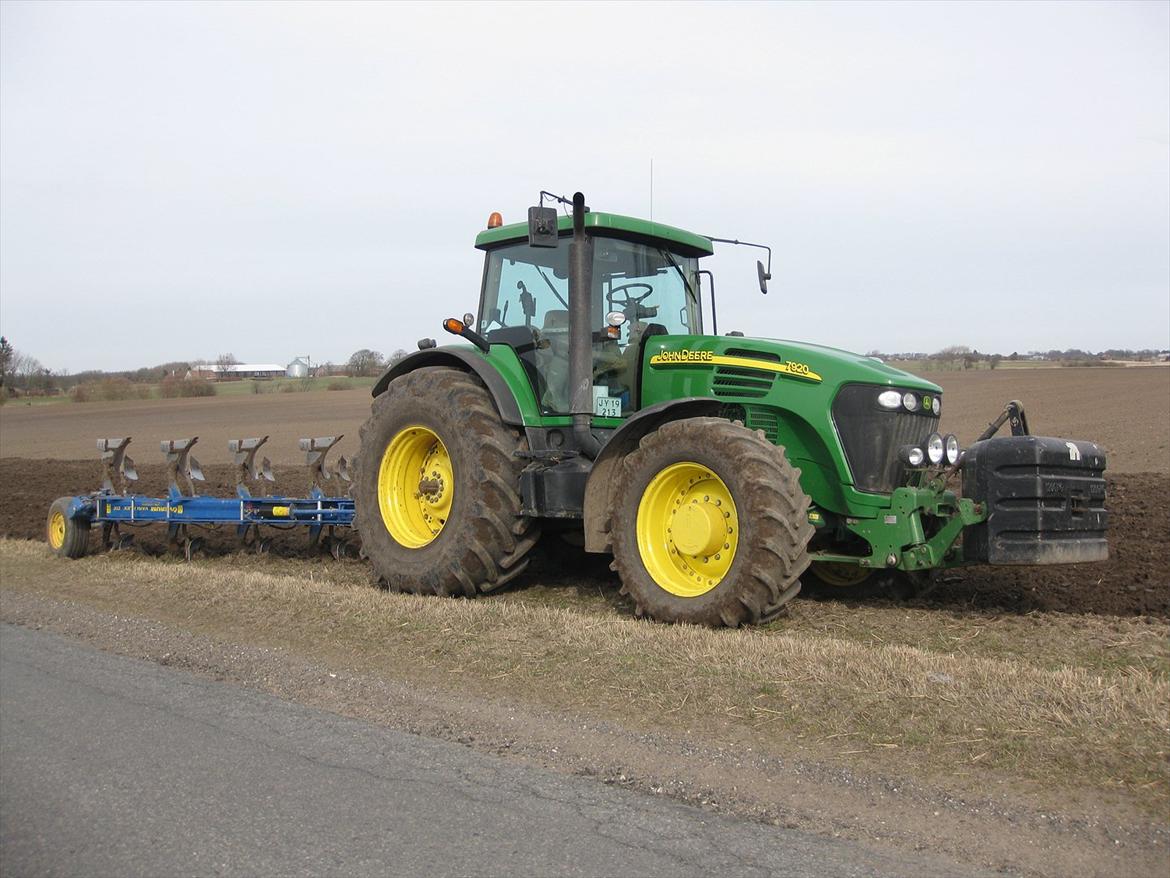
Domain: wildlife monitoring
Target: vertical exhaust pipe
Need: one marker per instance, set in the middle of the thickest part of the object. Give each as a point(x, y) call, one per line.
point(581, 332)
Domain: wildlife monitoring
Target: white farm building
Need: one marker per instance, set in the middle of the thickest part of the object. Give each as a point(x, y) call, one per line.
point(237, 371)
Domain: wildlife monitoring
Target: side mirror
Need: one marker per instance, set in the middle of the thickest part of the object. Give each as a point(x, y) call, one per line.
point(764, 277)
point(542, 227)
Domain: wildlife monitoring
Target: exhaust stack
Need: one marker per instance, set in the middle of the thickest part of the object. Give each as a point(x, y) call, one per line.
point(580, 332)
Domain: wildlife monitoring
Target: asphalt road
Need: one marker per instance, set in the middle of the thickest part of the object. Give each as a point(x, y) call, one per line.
point(114, 766)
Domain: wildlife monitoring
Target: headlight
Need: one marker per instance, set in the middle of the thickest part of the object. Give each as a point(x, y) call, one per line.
point(937, 406)
point(911, 455)
point(935, 449)
point(889, 399)
point(910, 401)
point(952, 448)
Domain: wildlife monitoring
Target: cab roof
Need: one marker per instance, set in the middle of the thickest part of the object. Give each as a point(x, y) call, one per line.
point(679, 241)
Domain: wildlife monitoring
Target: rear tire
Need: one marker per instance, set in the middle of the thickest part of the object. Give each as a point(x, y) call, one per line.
point(695, 491)
point(67, 537)
point(437, 490)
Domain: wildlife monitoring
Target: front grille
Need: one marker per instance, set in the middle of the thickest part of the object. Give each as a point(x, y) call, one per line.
point(872, 436)
point(766, 356)
point(768, 420)
point(749, 383)
point(731, 381)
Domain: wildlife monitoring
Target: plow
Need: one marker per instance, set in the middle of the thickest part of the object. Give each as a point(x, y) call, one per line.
point(326, 514)
point(590, 399)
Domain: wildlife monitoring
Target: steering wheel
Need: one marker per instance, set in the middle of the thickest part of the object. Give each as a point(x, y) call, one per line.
point(627, 300)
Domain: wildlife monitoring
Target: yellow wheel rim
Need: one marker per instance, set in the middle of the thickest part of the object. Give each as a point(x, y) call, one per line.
point(687, 529)
point(415, 486)
point(840, 573)
point(57, 530)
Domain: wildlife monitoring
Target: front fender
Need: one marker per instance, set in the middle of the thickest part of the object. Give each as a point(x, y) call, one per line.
point(599, 490)
point(459, 358)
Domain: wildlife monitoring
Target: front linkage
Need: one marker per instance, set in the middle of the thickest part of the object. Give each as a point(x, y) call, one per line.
point(1025, 500)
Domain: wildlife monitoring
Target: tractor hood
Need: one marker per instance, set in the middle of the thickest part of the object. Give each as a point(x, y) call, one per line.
point(843, 365)
point(820, 403)
point(806, 364)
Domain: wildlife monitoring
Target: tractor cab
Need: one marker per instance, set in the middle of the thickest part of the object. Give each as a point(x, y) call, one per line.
point(643, 281)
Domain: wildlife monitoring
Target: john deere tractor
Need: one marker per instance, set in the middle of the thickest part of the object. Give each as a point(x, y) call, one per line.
point(586, 401)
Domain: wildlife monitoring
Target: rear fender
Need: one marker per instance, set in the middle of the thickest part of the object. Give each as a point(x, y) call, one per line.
point(600, 489)
point(466, 360)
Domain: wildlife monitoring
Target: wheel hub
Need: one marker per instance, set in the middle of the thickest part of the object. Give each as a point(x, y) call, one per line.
point(697, 528)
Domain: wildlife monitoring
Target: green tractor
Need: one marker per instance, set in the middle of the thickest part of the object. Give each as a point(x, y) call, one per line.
point(719, 470)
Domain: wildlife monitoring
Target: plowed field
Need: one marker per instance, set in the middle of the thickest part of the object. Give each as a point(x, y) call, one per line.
point(1134, 581)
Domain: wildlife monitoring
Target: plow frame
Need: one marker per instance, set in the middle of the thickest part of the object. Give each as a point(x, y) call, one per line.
point(320, 513)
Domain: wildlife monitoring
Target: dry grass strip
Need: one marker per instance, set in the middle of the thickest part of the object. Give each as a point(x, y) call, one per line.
point(903, 707)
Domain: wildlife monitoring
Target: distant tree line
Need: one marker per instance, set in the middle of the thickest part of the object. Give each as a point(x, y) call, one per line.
point(963, 357)
point(365, 362)
point(24, 375)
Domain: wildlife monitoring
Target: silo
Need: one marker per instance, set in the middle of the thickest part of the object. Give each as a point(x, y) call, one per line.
point(298, 368)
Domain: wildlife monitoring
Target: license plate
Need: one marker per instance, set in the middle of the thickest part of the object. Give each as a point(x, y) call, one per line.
point(607, 406)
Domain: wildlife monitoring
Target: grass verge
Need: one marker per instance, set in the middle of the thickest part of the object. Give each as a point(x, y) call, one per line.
point(927, 695)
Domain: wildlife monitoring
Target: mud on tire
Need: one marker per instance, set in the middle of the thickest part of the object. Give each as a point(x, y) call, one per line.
point(485, 539)
point(774, 531)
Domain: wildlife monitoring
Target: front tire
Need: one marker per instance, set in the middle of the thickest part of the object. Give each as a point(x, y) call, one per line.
point(711, 526)
point(437, 496)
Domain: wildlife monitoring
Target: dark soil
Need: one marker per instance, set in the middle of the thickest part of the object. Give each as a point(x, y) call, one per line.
point(1134, 581)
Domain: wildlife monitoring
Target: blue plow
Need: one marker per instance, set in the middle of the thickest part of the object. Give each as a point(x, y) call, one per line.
point(326, 514)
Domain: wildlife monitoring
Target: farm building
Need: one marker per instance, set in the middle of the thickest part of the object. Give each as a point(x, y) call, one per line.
point(236, 371)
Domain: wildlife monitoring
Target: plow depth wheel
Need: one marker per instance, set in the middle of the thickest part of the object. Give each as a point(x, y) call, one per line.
point(67, 537)
point(437, 491)
point(711, 526)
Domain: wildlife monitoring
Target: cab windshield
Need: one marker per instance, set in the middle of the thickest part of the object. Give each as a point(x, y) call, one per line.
point(526, 304)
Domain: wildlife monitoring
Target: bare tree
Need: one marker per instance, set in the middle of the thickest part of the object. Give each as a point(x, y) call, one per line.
point(25, 372)
point(365, 362)
point(955, 350)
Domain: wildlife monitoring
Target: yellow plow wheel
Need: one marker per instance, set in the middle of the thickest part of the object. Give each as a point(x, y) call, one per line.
point(56, 530)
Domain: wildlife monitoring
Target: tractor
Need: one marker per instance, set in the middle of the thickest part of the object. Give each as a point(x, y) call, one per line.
point(586, 401)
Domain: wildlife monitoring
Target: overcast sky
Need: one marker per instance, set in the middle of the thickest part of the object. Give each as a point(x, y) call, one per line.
point(179, 181)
